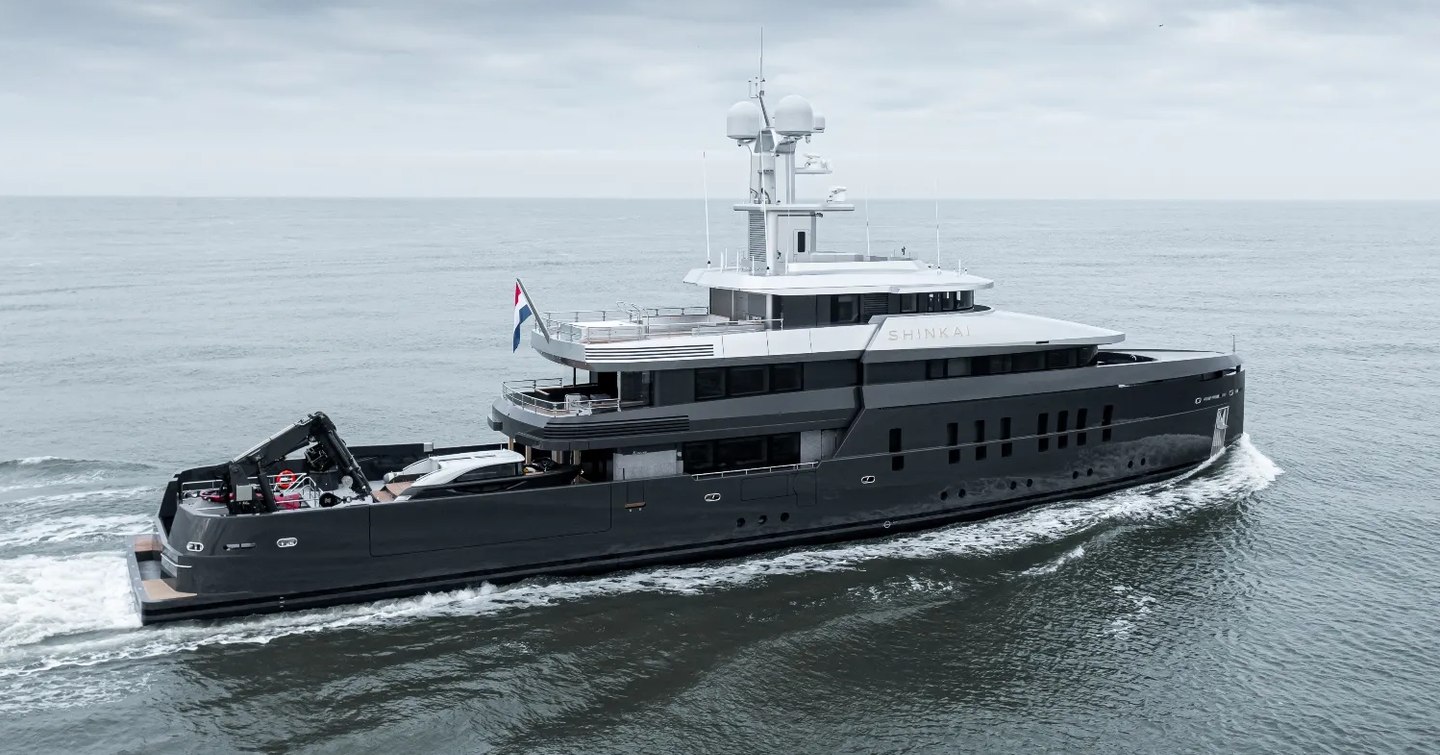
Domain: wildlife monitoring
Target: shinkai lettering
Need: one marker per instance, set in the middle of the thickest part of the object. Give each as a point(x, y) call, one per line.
point(927, 334)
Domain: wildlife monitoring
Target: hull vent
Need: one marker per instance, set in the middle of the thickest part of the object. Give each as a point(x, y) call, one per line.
point(628, 353)
point(613, 428)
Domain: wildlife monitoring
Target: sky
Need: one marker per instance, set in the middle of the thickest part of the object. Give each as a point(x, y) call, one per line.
point(1115, 99)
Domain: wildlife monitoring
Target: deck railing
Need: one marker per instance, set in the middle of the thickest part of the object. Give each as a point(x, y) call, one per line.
point(640, 323)
point(754, 470)
point(531, 395)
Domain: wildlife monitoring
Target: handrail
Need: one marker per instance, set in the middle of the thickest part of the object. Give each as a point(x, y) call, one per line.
point(754, 470)
point(581, 333)
point(522, 393)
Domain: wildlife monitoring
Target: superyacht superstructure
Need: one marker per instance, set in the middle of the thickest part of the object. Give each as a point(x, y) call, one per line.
point(807, 396)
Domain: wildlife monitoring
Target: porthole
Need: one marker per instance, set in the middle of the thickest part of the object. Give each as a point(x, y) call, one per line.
point(740, 522)
point(1013, 484)
point(1029, 483)
point(1090, 472)
point(1074, 475)
point(763, 519)
point(1142, 461)
point(1130, 464)
point(784, 516)
point(944, 494)
point(960, 492)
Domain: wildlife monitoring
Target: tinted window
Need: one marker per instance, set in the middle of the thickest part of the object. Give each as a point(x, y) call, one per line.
point(1029, 361)
point(957, 367)
point(1059, 359)
point(785, 377)
point(999, 364)
point(740, 452)
point(490, 473)
point(907, 303)
point(785, 449)
point(894, 439)
point(845, 308)
point(747, 381)
point(709, 384)
point(699, 457)
point(934, 368)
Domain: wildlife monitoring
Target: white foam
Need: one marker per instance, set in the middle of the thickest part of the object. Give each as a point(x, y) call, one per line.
point(50, 598)
point(48, 530)
point(46, 596)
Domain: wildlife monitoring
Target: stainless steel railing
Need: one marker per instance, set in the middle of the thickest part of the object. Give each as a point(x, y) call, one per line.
point(527, 393)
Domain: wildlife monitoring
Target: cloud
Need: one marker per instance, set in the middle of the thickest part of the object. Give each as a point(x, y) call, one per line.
point(1209, 98)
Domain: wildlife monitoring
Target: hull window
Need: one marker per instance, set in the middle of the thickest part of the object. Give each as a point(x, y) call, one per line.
point(1042, 428)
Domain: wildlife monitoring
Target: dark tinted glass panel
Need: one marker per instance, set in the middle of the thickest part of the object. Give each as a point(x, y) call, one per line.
point(947, 304)
point(699, 457)
point(957, 367)
point(709, 384)
point(894, 439)
point(979, 431)
point(999, 364)
point(1062, 422)
point(1109, 414)
point(967, 299)
point(1059, 359)
point(747, 381)
point(934, 368)
point(1005, 428)
point(489, 473)
point(786, 377)
point(907, 303)
point(1080, 419)
point(733, 453)
point(1029, 361)
point(785, 449)
point(980, 453)
point(897, 463)
point(845, 308)
point(952, 433)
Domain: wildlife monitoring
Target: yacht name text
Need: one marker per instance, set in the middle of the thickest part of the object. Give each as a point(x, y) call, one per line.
point(939, 333)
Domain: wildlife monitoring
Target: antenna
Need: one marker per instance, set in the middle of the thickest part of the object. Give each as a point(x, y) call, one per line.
point(705, 177)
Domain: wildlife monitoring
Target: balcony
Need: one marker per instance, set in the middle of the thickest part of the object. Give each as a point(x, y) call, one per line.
point(642, 323)
point(553, 398)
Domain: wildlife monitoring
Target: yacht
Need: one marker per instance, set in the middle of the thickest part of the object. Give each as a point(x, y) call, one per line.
point(806, 396)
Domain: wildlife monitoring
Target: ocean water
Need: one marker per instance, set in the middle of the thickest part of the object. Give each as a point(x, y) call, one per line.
point(1286, 598)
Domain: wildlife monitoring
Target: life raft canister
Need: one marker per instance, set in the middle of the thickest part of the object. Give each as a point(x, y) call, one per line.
point(285, 479)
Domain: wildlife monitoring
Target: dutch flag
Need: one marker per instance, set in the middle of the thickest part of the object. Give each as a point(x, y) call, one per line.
point(522, 311)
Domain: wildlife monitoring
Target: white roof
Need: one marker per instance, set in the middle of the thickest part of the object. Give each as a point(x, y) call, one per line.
point(985, 329)
point(442, 469)
point(867, 277)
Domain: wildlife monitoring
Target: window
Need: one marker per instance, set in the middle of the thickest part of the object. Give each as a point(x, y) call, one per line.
point(907, 303)
point(492, 472)
point(1028, 361)
point(709, 384)
point(979, 431)
point(954, 456)
point(784, 449)
point(947, 303)
point(1062, 423)
point(1082, 436)
point(737, 453)
point(897, 463)
point(934, 369)
point(746, 381)
point(845, 308)
point(1105, 422)
point(1060, 359)
point(799, 242)
point(980, 453)
point(952, 434)
point(786, 377)
point(894, 439)
point(1041, 428)
point(740, 453)
point(957, 367)
point(1005, 448)
point(698, 457)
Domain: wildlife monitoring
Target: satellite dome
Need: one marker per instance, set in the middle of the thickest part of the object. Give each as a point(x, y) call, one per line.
point(819, 122)
point(742, 123)
point(794, 116)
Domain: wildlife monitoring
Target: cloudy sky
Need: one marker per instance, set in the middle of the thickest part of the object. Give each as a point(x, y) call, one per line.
point(986, 98)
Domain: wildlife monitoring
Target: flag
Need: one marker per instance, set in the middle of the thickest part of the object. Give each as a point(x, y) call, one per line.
point(522, 311)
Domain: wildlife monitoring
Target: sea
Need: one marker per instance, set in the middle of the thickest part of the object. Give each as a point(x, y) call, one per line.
point(1283, 599)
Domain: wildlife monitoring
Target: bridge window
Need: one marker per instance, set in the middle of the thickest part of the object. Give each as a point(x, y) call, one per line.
point(709, 384)
point(845, 309)
point(786, 377)
point(746, 381)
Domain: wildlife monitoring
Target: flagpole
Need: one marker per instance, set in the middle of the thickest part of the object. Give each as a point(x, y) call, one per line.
point(539, 320)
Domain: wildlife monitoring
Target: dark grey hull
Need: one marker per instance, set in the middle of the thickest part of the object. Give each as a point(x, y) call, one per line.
point(320, 557)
